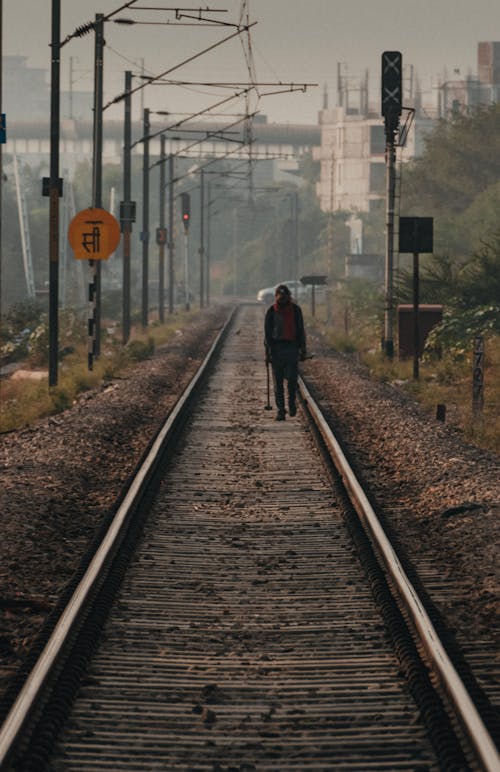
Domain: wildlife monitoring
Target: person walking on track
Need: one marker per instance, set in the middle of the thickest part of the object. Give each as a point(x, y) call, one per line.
point(285, 342)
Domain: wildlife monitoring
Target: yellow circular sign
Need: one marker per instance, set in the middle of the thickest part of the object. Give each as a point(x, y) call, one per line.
point(94, 234)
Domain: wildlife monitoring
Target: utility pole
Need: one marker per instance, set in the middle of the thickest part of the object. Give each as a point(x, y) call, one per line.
point(186, 216)
point(145, 219)
point(295, 208)
point(127, 208)
point(1, 162)
point(392, 79)
point(161, 234)
point(171, 243)
point(94, 343)
point(53, 188)
point(235, 245)
point(209, 220)
point(202, 227)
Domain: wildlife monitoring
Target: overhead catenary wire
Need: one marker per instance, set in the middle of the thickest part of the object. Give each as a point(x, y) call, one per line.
point(122, 96)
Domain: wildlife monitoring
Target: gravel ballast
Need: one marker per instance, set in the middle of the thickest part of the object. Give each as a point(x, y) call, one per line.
point(59, 478)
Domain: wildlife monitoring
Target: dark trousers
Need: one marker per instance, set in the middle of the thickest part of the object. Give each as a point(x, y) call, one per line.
point(285, 364)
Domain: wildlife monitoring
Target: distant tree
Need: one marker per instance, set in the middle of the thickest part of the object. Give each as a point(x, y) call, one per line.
point(461, 159)
point(479, 280)
point(439, 281)
point(458, 285)
point(309, 168)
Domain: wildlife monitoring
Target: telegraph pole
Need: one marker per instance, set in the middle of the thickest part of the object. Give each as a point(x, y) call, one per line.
point(295, 210)
point(145, 219)
point(392, 79)
point(202, 245)
point(209, 220)
point(161, 234)
point(127, 208)
point(186, 215)
point(95, 265)
point(2, 138)
point(52, 188)
point(171, 243)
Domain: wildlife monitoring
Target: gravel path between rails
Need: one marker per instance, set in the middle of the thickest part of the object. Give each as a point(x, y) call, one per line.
point(60, 477)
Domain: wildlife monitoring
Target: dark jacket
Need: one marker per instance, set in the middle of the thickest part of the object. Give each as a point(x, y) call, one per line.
point(270, 339)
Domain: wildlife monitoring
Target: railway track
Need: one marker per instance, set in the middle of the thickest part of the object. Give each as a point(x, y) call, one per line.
point(250, 625)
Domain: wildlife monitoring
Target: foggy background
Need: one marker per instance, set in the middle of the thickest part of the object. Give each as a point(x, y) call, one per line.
point(292, 41)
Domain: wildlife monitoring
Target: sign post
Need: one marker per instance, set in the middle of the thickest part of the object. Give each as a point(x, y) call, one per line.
point(415, 236)
point(93, 234)
point(313, 281)
point(478, 377)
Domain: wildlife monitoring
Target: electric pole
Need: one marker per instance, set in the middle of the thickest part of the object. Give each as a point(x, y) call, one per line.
point(127, 207)
point(161, 236)
point(202, 244)
point(171, 242)
point(145, 219)
point(53, 188)
point(95, 266)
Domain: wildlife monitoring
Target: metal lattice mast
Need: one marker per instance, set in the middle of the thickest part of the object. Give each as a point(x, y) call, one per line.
point(25, 233)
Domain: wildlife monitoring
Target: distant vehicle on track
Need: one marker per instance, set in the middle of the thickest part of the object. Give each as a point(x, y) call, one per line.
point(299, 292)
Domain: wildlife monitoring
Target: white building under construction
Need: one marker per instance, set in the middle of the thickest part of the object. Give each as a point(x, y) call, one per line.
point(352, 151)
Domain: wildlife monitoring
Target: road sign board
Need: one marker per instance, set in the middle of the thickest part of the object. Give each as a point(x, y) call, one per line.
point(93, 234)
point(161, 236)
point(415, 234)
point(314, 280)
point(3, 129)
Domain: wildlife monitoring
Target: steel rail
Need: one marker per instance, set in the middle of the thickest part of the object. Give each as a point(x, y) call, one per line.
point(476, 731)
point(84, 592)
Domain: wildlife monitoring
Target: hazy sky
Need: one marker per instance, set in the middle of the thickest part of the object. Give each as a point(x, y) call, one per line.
point(292, 41)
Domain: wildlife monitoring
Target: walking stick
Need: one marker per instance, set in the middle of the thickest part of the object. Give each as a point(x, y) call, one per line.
point(268, 406)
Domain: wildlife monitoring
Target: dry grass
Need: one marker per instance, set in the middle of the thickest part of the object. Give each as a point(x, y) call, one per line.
point(445, 382)
point(24, 401)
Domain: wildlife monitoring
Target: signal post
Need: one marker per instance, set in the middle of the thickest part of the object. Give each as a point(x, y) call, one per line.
point(392, 105)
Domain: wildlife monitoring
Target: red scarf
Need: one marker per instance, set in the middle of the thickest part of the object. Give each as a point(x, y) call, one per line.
point(285, 321)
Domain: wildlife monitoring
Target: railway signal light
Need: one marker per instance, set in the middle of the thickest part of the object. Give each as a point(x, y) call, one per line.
point(185, 204)
point(392, 90)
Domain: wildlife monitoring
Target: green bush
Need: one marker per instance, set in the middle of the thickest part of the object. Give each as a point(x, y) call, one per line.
point(455, 334)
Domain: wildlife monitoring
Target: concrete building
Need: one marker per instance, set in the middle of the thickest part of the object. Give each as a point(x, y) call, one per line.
point(26, 94)
point(352, 150)
point(462, 95)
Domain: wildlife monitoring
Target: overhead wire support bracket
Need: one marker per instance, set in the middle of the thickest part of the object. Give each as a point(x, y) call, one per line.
point(190, 59)
point(185, 120)
point(209, 134)
point(84, 29)
point(179, 10)
point(405, 129)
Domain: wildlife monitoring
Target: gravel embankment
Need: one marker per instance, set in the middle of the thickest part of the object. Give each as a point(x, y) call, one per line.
point(440, 495)
point(59, 478)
